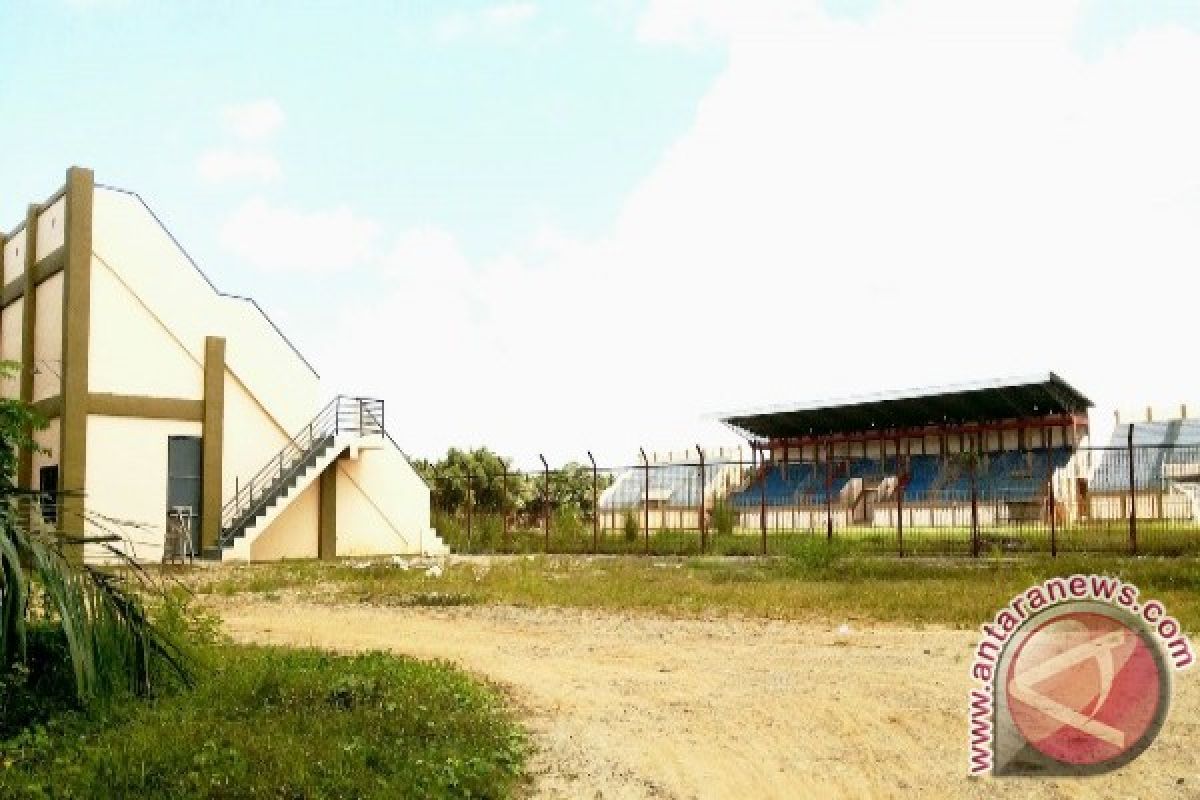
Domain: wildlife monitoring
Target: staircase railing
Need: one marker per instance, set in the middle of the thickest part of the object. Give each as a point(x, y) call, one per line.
point(343, 415)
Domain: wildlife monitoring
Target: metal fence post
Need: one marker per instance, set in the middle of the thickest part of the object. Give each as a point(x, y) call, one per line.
point(972, 462)
point(545, 504)
point(470, 503)
point(595, 506)
point(829, 491)
point(504, 505)
point(1050, 499)
point(646, 498)
point(899, 504)
point(1133, 543)
point(703, 522)
point(762, 499)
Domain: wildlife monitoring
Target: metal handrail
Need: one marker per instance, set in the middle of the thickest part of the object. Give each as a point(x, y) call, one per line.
point(342, 415)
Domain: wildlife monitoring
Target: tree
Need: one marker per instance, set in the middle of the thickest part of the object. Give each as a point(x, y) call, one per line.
point(481, 469)
point(496, 487)
point(571, 487)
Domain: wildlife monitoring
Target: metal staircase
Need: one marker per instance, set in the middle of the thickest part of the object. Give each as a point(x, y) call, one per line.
point(335, 427)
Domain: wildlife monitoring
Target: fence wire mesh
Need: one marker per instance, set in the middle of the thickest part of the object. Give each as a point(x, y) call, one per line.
point(1135, 500)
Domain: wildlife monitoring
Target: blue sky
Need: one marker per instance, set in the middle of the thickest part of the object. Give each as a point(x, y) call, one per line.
point(516, 215)
point(549, 119)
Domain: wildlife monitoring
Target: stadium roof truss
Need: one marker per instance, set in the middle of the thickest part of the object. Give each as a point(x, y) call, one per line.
point(978, 403)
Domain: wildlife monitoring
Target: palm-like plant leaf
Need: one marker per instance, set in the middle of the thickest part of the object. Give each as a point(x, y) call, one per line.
point(14, 594)
point(110, 639)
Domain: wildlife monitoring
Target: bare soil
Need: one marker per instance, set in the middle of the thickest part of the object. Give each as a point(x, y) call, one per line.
point(635, 706)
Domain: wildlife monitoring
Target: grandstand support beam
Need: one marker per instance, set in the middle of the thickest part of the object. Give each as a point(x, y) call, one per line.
point(703, 522)
point(646, 497)
point(1133, 547)
point(545, 502)
point(595, 506)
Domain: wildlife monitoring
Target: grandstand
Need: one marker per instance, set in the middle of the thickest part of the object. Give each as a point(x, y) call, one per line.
point(994, 451)
point(667, 488)
point(1008, 461)
point(1165, 473)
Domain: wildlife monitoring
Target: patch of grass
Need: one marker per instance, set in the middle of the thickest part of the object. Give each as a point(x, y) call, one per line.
point(37, 690)
point(266, 722)
point(738, 534)
point(818, 582)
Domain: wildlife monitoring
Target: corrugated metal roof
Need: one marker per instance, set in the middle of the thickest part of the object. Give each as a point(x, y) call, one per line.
point(1167, 433)
point(979, 401)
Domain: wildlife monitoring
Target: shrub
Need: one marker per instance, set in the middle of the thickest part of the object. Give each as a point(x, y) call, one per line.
point(724, 517)
point(567, 522)
point(631, 526)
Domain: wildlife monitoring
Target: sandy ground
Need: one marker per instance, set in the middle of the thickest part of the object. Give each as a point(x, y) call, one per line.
point(633, 706)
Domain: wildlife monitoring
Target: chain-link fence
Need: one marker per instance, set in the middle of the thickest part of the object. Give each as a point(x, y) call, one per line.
point(1134, 500)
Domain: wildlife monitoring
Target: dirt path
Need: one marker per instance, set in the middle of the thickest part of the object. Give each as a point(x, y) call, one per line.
point(625, 706)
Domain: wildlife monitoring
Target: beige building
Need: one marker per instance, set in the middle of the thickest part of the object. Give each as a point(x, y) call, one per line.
point(178, 414)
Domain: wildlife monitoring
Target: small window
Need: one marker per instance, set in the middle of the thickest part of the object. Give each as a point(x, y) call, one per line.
point(48, 487)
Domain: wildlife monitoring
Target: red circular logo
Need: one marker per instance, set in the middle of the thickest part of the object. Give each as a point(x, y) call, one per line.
point(1085, 688)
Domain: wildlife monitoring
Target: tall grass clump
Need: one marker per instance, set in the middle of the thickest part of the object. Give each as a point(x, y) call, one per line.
point(724, 517)
point(631, 526)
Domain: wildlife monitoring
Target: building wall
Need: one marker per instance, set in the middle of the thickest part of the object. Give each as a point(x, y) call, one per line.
point(14, 257)
point(51, 228)
point(127, 477)
point(10, 345)
point(131, 349)
point(382, 504)
point(949, 516)
point(794, 519)
point(47, 339)
point(251, 436)
point(151, 314)
point(1150, 505)
point(152, 311)
point(293, 534)
point(132, 242)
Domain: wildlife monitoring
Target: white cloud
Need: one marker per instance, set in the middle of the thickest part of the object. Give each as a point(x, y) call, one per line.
point(492, 22)
point(223, 165)
point(252, 124)
point(278, 238)
point(253, 121)
point(945, 190)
